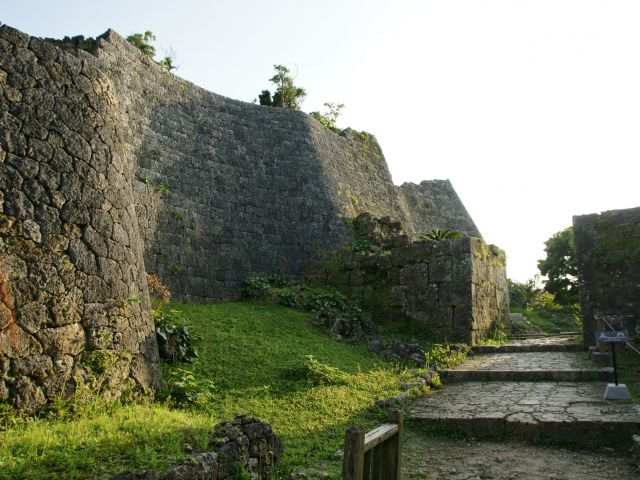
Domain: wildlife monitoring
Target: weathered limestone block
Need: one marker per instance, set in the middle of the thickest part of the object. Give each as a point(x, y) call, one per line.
point(67, 340)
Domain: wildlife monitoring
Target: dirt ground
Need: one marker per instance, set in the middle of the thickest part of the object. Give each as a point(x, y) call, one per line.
point(429, 457)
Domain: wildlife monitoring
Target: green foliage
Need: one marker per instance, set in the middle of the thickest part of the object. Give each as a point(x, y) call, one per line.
point(168, 63)
point(437, 235)
point(175, 270)
point(248, 349)
point(317, 373)
point(360, 245)
point(133, 299)
point(176, 343)
point(183, 388)
point(629, 367)
point(560, 267)
point(517, 293)
point(265, 98)
point(339, 315)
point(330, 116)
point(10, 417)
point(162, 188)
point(540, 308)
point(98, 362)
point(258, 288)
point(496, 336)
point(556, 320)
point(322, 301)
point(287, 95)
point(142, 42)
point(445, 356)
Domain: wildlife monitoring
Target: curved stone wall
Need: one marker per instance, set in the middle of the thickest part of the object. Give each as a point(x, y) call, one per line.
point(111, 167)
point(227, 189)
point(72, 278)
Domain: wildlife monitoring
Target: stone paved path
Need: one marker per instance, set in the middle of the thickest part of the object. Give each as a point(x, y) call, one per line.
point(515, 397)
point(536, 340)
point(534, 366)
point(563, 343)
point(430, 457)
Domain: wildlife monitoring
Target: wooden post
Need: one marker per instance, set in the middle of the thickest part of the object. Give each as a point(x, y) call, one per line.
point(367, 473)
point(395, 416)
point(381, 461)
point(353, 463)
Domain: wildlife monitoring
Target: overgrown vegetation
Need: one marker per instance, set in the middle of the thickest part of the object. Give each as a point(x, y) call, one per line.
point(176, 342)
point(340, 315)
point(437, 235)
point(560, 267)
point(158, 293)
point(142, 41)
point(287, 94)
point(629, 371)
point(360, 245)
point(248, 351)
point(543, 314)
point(256, 358)
point(445, 356)
point(330, 116)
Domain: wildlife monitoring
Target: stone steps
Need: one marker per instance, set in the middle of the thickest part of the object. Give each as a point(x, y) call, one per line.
point(513, 348)
point(535, 343)
point(528, 366)
point(457, 376)
point(565, 412)
point(533, 388)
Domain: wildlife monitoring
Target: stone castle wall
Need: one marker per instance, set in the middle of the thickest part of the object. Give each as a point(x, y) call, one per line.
point(455, 288)
point(112, 167)
point(432, 287)
point(435, 205)
point(608, 257)
point(72, 278)
point(226, 189)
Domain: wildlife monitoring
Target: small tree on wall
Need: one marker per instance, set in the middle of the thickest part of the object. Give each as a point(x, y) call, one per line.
point(287, 95)
point(329, 118)
point(142, 41)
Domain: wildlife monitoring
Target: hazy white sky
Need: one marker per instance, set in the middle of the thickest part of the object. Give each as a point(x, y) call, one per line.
point(530, 108)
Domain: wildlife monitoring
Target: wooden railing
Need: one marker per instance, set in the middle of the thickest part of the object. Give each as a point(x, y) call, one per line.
point(376, 455)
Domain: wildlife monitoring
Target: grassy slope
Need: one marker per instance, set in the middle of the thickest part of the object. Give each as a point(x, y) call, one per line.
point(629, 371)
point(252, 353)
point(548, 323)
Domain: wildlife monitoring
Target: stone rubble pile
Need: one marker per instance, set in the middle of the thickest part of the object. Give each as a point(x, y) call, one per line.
point(245, 443)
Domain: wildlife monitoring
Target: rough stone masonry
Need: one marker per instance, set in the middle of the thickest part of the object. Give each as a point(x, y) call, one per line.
point(111, 167)
point(608, 258)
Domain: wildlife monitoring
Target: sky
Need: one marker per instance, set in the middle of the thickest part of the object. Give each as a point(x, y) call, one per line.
point(530, 108)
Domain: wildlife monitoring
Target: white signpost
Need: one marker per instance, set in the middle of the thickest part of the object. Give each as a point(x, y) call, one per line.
point(614, 391)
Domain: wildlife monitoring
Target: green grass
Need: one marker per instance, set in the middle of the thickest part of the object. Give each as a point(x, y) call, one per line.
point(629, 371)
point(548, 322)
point(254, 355)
